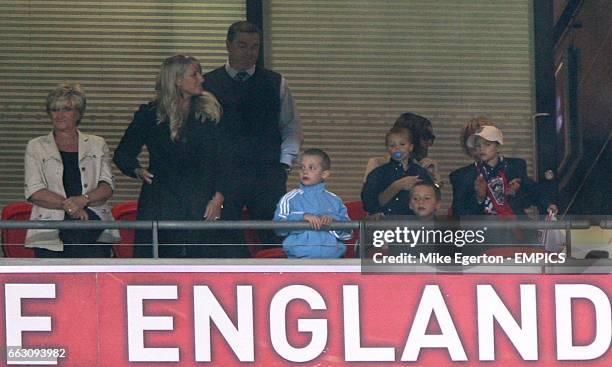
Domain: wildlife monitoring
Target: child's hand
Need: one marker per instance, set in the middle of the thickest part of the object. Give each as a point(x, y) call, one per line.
point(326, 220)
point(480, 186)
point(315, 222)
point(513, 187)
point(406, 183)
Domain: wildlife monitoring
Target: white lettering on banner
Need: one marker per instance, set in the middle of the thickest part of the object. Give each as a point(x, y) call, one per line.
point(138, 323)
point(206, 307)
point(353, 351)
point(432, 302)
point(524, 337)
point(526, 328)
point(566, 350)
point(278, 327)
point(15, 322)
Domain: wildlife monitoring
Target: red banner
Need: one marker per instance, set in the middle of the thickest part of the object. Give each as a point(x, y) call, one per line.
point(130, 315)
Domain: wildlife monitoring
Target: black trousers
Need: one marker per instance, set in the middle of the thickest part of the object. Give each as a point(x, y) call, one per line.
point(172, 244)
point(76, 251)
point(72, 238)
point(258, 189)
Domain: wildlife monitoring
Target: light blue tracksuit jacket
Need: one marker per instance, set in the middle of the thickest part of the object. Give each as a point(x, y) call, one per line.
point(315, 200)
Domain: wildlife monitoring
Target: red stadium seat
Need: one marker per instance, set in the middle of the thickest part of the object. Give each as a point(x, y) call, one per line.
point(13, 239)
point(271, 253)
point(125, 211)
point(251, 239)
point(257, 250)
point(355, 212)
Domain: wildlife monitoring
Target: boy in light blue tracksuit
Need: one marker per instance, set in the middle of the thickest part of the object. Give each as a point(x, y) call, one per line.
point(312, 203)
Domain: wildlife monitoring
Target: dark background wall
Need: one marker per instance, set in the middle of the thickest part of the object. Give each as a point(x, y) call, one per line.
point(581, 40)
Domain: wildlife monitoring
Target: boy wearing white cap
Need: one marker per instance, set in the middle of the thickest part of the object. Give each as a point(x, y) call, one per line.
point(496, 185)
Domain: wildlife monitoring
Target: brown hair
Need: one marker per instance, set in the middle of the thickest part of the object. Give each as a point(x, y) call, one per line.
point(325, 160)
point(433, 186)
point(420, 128)
point(241, 26)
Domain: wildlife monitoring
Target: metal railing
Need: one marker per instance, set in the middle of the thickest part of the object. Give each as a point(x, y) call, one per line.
point(567, 224)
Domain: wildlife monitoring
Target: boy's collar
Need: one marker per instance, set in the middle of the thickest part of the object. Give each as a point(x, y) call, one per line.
point(500, 159)
point(318, 186)
point(400, 163)
point(485, 165)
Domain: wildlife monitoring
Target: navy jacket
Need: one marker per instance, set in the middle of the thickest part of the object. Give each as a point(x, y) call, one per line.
point(382, 177)
point(464, 195)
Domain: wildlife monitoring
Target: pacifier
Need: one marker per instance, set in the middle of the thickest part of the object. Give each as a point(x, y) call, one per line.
point(397, 155)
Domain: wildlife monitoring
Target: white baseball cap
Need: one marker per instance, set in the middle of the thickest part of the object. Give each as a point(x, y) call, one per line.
point(490, 133)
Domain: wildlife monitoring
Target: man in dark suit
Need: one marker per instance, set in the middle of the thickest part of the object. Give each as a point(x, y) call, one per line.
point(259, 135)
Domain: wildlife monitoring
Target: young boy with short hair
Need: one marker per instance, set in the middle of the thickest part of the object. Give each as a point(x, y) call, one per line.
point(387, 188)
point(496, 182)
point(313, 203)
point(425, 200)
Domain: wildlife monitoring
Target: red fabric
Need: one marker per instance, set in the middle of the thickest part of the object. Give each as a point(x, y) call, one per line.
point(13, 239)
point(125, 211)
point(355, 212)
point(502, 209)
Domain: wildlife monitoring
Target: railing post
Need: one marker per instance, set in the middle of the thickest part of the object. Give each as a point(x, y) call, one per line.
point(361, 239)
point(155, 241)
point(568, 237)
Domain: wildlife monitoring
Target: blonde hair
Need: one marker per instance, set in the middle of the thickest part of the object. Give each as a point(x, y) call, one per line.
point(206, 106)
point(470, 128)
point(67, 92)
point(399, 131)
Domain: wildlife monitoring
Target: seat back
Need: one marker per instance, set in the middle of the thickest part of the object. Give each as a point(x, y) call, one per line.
point(13, 239)
point(125, 211)
point(355, 212)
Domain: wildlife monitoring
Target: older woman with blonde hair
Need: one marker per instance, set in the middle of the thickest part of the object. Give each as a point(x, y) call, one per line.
point(68, 177)
point(182, 180)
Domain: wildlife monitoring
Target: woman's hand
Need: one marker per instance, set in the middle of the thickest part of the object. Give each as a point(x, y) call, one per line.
point(80, 214)
point(430, 165)
point(144, 175)
point(74, 204)
point(407, 182)
point(213, 208)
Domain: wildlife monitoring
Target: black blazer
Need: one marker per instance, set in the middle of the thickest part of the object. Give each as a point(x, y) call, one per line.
point(464, 195)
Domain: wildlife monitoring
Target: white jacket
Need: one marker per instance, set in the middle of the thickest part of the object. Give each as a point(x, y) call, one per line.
point(44, 170)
